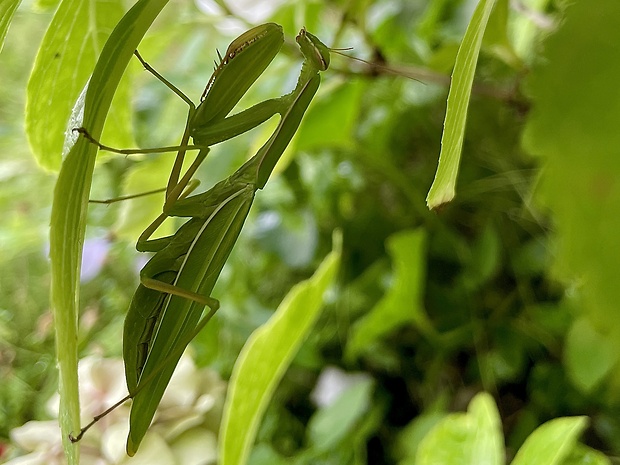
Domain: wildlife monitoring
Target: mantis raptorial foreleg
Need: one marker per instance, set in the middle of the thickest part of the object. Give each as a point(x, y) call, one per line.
point(245, 60)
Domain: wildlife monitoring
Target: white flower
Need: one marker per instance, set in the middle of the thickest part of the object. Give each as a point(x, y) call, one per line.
point(183, 431)
point(42, 440)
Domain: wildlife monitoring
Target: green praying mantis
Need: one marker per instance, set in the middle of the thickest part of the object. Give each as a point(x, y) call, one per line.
point(167, 308)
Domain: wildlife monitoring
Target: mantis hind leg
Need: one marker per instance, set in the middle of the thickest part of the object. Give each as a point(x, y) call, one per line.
point(179, 190)
point(168, 288)
point(191, 186)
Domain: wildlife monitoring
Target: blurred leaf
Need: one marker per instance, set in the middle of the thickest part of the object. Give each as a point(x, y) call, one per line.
point(589, 355)
point(573, 127)
point(582, 455)
point(525, 30)
point(410, 437)
point(329, 425)
point(136, 214)
point(552, 442)
point(45, 4)
point(263, 454)
point(290, 234)
point(402, 303)
point(264, 359)
point(472, 438)
point(496, 35)
point(443, 188)
point(330, 120)
point(63, 65)
point(531, 258)
point(7, 9)
point(484, 259)
point(507, 360)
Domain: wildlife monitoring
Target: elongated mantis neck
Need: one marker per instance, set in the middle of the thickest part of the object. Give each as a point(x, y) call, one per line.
point(295, 104)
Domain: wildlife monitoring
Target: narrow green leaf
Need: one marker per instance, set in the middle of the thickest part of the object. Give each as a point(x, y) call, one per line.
point(402, 303)
point(7, 9)
point(443, 188)
point(264, 359)
point(62, 67)
point(472, 438)
point(552, 442)
point(68, 220)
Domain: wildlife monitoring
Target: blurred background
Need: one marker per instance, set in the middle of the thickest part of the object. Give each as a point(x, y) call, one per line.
point(510, 289)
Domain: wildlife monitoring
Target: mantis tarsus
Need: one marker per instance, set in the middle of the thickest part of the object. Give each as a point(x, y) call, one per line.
point(166, 311)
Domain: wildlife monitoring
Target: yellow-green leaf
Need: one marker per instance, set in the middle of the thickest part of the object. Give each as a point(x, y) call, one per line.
point(7, 8)
point(64, 62)
point(444, 185)
point(264, 359)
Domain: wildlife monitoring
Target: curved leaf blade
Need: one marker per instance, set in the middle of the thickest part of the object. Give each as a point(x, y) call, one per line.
point(62, 67)
point(403, 302)
point(552, 442)
point(7, 9)
point(443, 188)
point(472, 438)
point(264, 359)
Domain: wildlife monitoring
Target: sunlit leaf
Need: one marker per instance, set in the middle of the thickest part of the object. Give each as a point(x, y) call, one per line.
point(264, 359)
point(552, 442)
point(7, 9)
point(65, 61)
point(443, 187)
point(472, 438)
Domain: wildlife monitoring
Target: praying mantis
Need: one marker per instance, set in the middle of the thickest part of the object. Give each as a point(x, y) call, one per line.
point(166, 311)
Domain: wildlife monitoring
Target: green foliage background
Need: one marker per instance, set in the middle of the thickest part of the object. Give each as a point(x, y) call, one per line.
point(510, 289)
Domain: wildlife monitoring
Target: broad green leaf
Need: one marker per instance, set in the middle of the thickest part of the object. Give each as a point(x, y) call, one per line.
point(443, 188)
point(62, 67)
point(552, 442)
point(68, 221)
point(472, 438)
point(589, 355)
point(573, 128)
point(264, 359)
point(329, 425)
point(7, 9)
point(402, 303)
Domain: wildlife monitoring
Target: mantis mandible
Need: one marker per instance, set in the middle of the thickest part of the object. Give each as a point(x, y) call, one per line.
point(165, 313)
